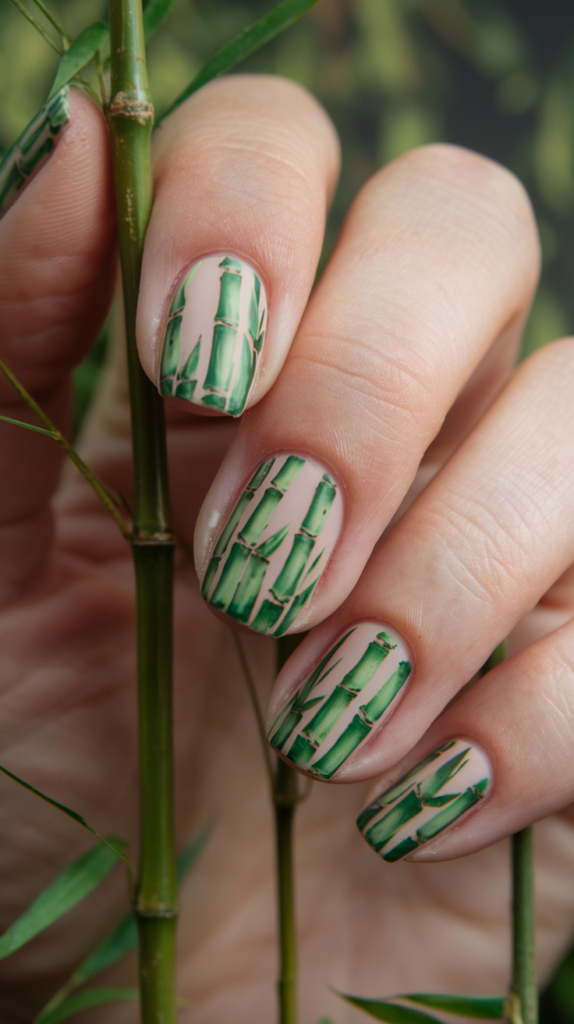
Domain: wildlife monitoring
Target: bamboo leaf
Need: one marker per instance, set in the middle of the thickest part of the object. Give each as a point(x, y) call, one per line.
point(154, 15)
point(121, 941)
point(80, 53)
point(29, 426)
point(115, 847)
point(75, 883)
point(84, 1000)
point(246, 43)
point(389, 1012)
point(485, 1008)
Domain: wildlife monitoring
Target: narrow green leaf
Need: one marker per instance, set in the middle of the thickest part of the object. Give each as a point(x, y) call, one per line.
point(116, 846)
point(155, 13)
point(75, 883)
point(80, 53)
point(483, 1007)
point(121, 941)
point(246, 43)
point(84, 1000)
point(389, 1012)
point(29, 426)
point(325, 1020)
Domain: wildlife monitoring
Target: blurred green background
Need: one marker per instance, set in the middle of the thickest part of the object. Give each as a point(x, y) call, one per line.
point(496, 76)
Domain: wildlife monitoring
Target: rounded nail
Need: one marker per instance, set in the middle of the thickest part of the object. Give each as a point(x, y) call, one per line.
point(214, 334)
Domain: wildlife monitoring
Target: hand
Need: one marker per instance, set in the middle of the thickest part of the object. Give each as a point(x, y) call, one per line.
point(401, 360)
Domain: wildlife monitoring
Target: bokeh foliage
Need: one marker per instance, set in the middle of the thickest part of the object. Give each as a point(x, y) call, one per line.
point(496, 76)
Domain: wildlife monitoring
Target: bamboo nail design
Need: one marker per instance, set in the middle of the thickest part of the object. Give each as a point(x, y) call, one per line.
point(430, 798)
point(215, 330)
point(352, 691)
point(33, 147)
point(275, 544)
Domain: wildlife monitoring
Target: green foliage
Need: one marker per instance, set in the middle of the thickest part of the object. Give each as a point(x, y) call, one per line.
point(75, 883)
point(246, 43)
point(390, 1012)
point(84, 1000)
point(80, 53)
point(122, 940)
point(155, 13)
point(465, 1006)
point(477, 1007)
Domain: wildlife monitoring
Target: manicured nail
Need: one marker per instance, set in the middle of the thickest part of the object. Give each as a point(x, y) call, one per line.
point(426, 801)
point(349, 694)
point(33, 147)
point(275, 544)
point(215, 331)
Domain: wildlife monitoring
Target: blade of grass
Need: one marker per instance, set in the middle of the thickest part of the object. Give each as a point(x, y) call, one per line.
point(84, 1000)
point(155, 13)
point(246, 43)
point(80, 53)
point(73, 814)
point(389, 1012)
point(256, 707)
point(485, 1008)
point(39, 28)
point(75, 883)
point(122, 939)
point(54, 21)
point(29, 426)
point(86, 472)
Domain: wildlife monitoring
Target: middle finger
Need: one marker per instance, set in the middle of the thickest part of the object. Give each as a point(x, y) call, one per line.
point(437, 260)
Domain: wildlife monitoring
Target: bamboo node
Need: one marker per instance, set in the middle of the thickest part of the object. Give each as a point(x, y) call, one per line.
point(123, 106)
point(161, 912)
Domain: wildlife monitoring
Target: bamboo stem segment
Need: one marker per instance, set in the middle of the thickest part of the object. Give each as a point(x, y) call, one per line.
point(285, 800)
point(130, 117)
point(523, 928)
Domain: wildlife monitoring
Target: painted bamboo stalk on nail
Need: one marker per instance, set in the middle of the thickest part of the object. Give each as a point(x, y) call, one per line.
point(356, 686)
point(33, 147)
point(426, 801)
point(214, 334)
point(275, 544)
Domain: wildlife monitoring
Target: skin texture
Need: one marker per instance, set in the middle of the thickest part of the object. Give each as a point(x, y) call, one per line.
point(403, 357)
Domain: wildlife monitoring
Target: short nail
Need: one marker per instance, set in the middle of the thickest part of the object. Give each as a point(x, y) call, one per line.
point(429, 799)
point(33, 147)
point(347, 696)
point(215, 330)
point(275, 545)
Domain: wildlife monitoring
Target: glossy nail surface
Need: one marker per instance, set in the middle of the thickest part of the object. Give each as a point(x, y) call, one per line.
point(214, 335)
point(275, 544)
point(33, 147)
point(429, 799)
point(349, 694)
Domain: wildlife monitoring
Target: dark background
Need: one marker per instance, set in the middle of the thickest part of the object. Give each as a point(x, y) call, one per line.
point(496, 76)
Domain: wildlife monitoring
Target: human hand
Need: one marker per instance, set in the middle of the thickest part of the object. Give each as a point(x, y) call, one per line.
point(398, 359)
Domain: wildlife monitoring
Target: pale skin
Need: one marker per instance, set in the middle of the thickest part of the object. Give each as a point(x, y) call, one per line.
point(423, 300)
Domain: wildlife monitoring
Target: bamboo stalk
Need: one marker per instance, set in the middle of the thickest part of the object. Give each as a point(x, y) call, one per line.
point(131, 119)
point(523, 928)
point(285, 799)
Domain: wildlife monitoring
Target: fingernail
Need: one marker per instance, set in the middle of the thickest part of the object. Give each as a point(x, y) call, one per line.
point(215, 330)
point(275, 545)
point(33, 147)
point(429, 799)
point(349, 694)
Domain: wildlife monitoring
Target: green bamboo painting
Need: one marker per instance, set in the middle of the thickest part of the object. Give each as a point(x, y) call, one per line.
point(354, 689)
point(426, 801)
point(215, 331)
point(33, 147)
point(275, 545)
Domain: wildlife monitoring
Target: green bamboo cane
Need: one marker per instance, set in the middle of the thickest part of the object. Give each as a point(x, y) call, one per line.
point(524, 995)
point(285, 800)
point(130, 117)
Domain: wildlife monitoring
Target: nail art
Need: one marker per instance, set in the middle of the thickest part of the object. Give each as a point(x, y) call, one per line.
point(352, 690)
point(275, 544)
point(33, 147)
point(215, 330)
point(430, 798)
